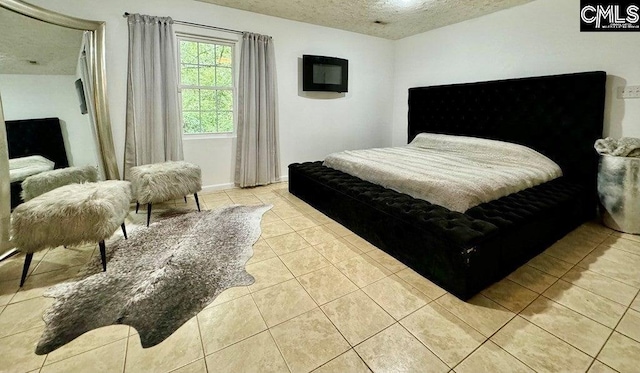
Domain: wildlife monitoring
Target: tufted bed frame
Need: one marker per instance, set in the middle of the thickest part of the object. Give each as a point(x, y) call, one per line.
point(560, 116)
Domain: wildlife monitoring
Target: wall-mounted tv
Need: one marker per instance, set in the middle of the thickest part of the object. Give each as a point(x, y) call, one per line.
point(328, 74)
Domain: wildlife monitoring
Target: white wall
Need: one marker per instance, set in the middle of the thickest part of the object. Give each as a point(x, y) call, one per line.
point(539, 38)
point(309, 128)
point(48, 96)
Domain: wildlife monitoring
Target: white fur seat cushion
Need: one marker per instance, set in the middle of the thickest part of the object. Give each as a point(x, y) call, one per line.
point(70, 215)
point(43, 182)
point(161, 182)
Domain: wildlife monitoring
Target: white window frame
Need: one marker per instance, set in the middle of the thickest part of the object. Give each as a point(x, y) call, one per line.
point(180, 36)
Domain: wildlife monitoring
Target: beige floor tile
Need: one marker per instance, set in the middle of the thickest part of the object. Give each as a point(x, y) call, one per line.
point(18, 351)
point(614, 254)
point(570, 326)
point(308, 341)
point(37, 284)
point(630, 325)
point(396, 350)
point(268, 273)
point(283, 302)
point(89, 341)
point(11, 269)
point(61, 258)
point(247, 200)
point(450, 338)
point(107, 359)
point(480, 312)
point(395, 296)
point(490, 358)
point(420, 283)
point(287, 243)
point(256, 354)
point(18, 317)
point(270, 217)
point(348, 362)
point(589, 304)
point(532, 278)
point(300, 223)
point(510, 295)
point(622, 244)
point(599, 367)
point(228, 323)
point(337, 250)
point(181, 348)
point(318, 235)
point(338, 229)
point(7, 290)
point(604, 286)
point(304, 261)
point(361, 271)
point(551, 265)
point(326, 284)
point(571, 250)
point(274, 229)
point(286, 212)
point(621, 353)
point(261, 251)
point(627, 236)
point(319, 217)
point(198, 366)
point(360, 243)
point(357, 317)
point(389, 262)
point(635, 305)
point(620, 271)
point(539, 349)
point(229, 294)
point(591, 231)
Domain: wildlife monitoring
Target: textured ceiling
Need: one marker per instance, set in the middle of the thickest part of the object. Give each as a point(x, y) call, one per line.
point(396, 18)
point(22, 39)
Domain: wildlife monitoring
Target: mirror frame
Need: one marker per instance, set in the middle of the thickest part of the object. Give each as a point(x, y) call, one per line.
point(106, 150)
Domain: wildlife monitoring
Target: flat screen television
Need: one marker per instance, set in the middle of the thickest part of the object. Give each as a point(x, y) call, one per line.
point(327, 74)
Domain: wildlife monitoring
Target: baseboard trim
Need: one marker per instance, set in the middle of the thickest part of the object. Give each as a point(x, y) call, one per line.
point(216, 187)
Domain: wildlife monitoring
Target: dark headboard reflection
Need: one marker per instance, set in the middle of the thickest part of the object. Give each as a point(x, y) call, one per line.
point(37, 137)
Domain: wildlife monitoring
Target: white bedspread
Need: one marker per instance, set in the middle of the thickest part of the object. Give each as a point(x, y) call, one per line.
point(456, 172)
point(23, 167)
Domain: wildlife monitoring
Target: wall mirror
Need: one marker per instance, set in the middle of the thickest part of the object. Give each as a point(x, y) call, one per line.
point(52, 66)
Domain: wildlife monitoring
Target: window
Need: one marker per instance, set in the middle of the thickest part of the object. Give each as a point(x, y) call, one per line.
point(206, 86)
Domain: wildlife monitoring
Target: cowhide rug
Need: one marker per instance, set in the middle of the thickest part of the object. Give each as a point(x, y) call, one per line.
point(159, 278)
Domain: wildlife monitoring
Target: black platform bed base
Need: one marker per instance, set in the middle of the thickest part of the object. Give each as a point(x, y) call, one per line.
point(559, 116)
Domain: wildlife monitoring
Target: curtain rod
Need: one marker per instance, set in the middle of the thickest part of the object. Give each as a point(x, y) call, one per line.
point(201, 26)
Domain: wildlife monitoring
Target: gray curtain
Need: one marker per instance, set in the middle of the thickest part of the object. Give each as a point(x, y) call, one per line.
point(257, 157)
point(153, 126)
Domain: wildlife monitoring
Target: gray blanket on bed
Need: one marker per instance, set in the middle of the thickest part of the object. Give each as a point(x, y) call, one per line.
point(624, 147)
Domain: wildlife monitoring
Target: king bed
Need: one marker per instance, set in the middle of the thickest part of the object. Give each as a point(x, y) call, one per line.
point(466, 249)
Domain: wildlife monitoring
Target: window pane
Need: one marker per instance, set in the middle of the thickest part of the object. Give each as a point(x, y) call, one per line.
point(188, 51)
point(224, 77)
point(207, 76)
point(207, 54)
point(209, 122)
point(224, 55)
point(189, 74)
point(190, 99)
point(225, 121)
point(191, 122)
point(207, 100)
point(225, 100)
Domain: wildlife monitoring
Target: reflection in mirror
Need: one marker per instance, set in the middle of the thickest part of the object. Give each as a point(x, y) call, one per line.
point(5, 211)
point(50, 66)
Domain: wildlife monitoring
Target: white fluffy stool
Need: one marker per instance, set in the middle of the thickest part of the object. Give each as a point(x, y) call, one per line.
point(43, 182)
point(71, 215)
point(161, 182)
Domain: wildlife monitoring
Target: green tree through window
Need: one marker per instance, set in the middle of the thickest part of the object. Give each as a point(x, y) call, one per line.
point(206, 86)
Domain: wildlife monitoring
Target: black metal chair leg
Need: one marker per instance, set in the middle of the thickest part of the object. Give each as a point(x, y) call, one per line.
point(103, 255)
point(197, 202)
point(185, 199)
point(25, 268)
point(148, 213)
point(124, 231)
point(137, 206)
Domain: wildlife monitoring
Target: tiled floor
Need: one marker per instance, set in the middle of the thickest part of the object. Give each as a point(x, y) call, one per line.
point(325, 300)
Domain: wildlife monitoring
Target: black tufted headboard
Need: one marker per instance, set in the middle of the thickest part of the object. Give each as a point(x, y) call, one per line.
point(560, 116)
point(37, 137)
